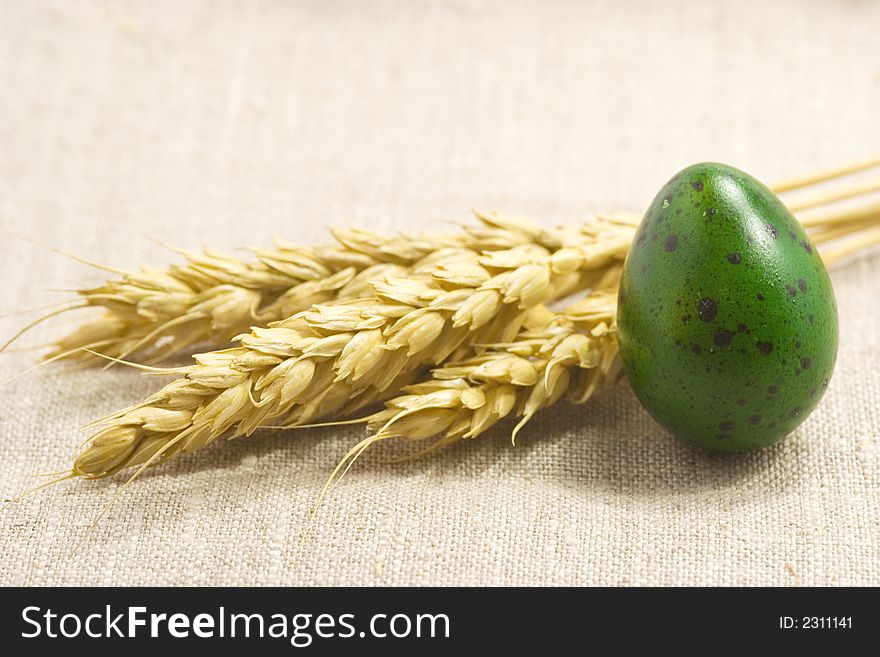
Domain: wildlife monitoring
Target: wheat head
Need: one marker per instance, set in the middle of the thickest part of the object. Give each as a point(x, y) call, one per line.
point(155, 313)
point(337, 357)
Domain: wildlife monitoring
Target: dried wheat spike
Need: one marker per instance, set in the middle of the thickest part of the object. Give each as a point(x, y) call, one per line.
point(342, 355)
point(154, 313)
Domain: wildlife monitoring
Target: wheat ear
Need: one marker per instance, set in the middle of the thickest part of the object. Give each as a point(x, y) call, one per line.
point(154, 313)
point(337, 357)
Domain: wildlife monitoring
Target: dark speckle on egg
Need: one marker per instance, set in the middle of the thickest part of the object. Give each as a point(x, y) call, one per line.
point(707, 309)
point(722, 337)
point(671, 243)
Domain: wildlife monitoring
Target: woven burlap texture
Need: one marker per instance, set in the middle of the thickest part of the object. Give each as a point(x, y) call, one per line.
point(227, 123)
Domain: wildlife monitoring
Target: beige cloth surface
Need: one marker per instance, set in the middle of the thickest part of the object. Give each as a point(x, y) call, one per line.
point(227, 123)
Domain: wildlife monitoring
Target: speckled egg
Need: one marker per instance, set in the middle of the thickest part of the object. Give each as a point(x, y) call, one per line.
point(727, 318)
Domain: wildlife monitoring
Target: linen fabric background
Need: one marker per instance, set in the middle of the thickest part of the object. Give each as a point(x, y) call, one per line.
point(224, 124)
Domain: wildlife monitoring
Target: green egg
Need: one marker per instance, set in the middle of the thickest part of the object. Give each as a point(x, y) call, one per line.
point(727, 318)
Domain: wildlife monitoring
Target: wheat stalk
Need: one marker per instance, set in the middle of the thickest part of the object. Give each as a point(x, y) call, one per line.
point(341, 356)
